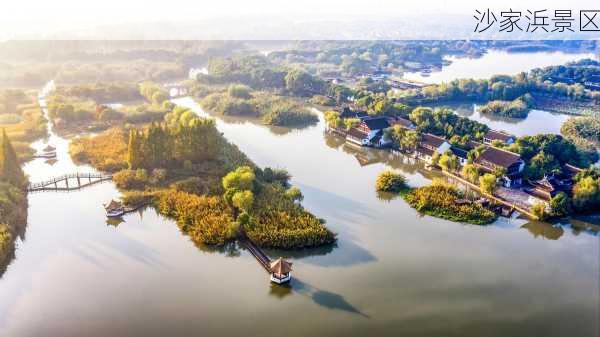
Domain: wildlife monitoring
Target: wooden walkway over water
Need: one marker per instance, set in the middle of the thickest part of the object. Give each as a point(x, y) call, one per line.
point(260, 256)
point(69, 182)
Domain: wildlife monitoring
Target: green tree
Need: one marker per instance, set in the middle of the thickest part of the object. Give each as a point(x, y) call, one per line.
point(239, 91)
point(351, 122)
point(333, 119)
point(561, 204)
point(470, 173)
point(539, 210)
point(294, 194)
point(448, 162)
point(243, 200)
point(241, 179)
point(586, 194)
point(487, 183)
point(10, 170)
point(389, 181)
point(134, 154)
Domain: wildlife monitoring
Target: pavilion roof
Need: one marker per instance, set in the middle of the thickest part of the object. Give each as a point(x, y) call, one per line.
point(281, 266)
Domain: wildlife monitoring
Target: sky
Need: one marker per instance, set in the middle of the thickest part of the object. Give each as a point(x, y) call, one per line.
point(42, 18)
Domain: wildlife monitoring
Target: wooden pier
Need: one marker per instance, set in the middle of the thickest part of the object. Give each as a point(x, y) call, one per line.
point(260, 256)
point(69, 182)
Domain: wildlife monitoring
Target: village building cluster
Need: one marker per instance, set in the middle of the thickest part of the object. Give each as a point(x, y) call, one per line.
point(370, 132)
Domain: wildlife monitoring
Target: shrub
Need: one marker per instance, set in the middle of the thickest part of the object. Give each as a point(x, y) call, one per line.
point(239, 91)
point(322, 100)
point(243, 200)
point(5, 237)
point(440, 200)
point(560, 204)
point(487, 182)
point(389, 181)
point(136, 198)
point(539, 210)
point(131, 179)
point(278, 222)
point(294, 194)
point(199, 186)
point(240, 179)
point(206, 220)
point(106, 151)
point(470, 173)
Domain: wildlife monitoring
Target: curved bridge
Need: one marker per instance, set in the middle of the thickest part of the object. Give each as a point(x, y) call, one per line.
point(69, 182)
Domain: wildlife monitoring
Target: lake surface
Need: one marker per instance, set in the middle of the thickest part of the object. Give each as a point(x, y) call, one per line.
point(536, 122)
point(495, 62)
point(392, 272)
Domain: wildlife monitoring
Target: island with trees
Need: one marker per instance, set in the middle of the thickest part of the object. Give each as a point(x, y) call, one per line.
point(191, 173)
point(252, 86)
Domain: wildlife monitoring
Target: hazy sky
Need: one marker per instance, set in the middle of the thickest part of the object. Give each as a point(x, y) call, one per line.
point(18, 17)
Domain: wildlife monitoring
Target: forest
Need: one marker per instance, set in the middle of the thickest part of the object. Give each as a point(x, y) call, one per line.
point(13, 198)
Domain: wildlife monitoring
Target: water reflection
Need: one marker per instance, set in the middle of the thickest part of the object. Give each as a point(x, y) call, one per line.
point(323, 298)
point(544, 229)
point(536, 122)
point(495, 62)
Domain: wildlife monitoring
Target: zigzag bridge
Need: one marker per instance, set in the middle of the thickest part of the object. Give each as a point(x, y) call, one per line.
point(69, 182)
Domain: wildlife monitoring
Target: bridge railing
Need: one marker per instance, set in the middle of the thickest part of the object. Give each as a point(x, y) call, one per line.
point(68, 176)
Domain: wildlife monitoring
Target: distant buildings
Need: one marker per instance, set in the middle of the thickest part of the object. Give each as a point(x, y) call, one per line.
point(493, 159)
point(552, 184)
point(593, 83)
point(431, 144)
point(493, 135)
point(369, 132)
point(402, 122)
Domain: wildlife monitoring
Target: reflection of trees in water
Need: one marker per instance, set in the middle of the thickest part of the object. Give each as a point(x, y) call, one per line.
point(18, 226)
point(229, 249)
point(333, 141)
point(277, 130)
point(586, 224)
point(469, 110)
point(544, 229)
point(367, 156)
point(323, 298)
point(554, 230)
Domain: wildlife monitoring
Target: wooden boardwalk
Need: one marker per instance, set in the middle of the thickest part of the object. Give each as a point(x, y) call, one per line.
point(260, 256)
point(69, 182)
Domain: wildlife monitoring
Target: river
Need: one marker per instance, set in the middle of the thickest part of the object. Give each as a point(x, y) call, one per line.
point(393, 272)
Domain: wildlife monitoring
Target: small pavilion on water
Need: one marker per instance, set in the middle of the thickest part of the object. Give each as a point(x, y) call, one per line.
point(281, 271)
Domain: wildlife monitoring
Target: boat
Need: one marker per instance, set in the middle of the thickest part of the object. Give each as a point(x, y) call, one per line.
point(49, 148)
point(47, 155)
point(117, 213)
point(114, 209)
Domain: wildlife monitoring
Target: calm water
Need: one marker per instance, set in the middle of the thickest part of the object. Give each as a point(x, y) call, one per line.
point(495, 62)
point(393, 272)
point(536, 122)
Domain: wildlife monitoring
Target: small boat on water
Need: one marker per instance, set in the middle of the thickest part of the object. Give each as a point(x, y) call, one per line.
point(47, 155)
point(114, 209)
